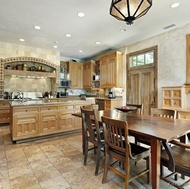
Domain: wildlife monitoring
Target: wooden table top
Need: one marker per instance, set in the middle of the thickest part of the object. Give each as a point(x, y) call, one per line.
point(163, 129)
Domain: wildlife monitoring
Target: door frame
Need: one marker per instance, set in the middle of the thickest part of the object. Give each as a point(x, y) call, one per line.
point(155, 65)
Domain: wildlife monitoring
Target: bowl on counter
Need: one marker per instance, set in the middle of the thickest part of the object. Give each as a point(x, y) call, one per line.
point(126, 108)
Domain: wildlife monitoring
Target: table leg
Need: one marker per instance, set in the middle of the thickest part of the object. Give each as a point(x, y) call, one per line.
point(155, 163)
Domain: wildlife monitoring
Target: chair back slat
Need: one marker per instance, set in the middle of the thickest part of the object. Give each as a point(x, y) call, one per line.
point(164, 113)
point(116, 134)
point(89, 125)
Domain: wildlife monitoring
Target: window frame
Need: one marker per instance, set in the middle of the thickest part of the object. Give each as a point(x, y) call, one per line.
point(142, 52)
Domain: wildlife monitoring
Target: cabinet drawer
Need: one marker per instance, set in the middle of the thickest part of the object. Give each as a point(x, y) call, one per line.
point(176, 93)
point(25, 110)
point(167, 93)
point(183, 115)
point(177, 102)
point(4, 105)
point(67, 107)
point(48, 108)
point(167, 102)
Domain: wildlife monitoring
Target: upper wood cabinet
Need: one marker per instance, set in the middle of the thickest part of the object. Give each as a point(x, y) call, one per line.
point(88, 73)
point(111, 70)
point(76, 75)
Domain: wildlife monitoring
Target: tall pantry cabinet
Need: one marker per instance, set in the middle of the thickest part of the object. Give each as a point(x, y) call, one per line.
point(111, 70)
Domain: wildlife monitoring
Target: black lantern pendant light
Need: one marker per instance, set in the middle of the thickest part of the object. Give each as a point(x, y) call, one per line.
point(129, 10)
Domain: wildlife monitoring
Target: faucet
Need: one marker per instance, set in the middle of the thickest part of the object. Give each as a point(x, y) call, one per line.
point(20, 96)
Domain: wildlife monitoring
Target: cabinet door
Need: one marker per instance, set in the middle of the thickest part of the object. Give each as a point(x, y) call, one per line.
point(76, 75)
point(87, 80)
point(66, 120)
point(26, 123)
point(79, 75)
point(4, 112)
point(104, 73)
point(111, 69)
point(48, 120)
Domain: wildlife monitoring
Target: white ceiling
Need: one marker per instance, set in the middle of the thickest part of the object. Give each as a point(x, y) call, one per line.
point(59, 17)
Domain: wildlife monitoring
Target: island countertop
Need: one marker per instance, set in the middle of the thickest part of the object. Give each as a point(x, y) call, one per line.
point(45, 102)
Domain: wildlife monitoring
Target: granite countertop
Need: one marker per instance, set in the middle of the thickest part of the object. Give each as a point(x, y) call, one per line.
point(42, 102)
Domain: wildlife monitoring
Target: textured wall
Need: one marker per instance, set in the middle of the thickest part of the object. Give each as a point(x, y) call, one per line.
point(171, 57)
point(8, 50)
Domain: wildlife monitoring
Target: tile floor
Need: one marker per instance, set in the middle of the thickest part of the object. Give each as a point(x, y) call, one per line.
point(54, 163)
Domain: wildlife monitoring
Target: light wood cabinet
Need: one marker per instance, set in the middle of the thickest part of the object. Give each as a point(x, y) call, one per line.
point(35, 121)
point(48, 119)
point(1, 80)
point(111, 70)
point(4, 112)
point(176, 97)
point(108, 103)
point(25, 122)
point(76, 75)
point(89, 69)
point(66, 120)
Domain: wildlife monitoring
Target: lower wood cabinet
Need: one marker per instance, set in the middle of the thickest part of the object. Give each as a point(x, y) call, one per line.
point(25, 122)
point(4, 112)
point(48, 120)
point(35, 121)
point(66, 120)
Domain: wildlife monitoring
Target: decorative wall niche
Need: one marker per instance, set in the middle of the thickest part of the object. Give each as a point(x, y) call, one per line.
point(15, 66)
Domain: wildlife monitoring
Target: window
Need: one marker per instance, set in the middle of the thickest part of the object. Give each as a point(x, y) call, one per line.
point(141, 59)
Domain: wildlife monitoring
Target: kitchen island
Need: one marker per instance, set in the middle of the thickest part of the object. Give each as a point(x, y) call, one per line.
point(42, 118)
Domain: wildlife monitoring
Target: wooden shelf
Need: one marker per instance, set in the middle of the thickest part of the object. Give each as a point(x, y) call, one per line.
point(26, 74)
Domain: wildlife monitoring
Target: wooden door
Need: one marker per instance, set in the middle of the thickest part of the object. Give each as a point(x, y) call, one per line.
point(141, 88)
point(142, 78)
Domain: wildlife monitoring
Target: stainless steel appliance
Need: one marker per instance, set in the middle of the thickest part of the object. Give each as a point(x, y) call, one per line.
point(111, 93)
point(62, 94)
point(65, 83)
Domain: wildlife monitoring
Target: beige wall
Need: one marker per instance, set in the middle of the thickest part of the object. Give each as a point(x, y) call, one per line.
point(8, 50)
point(171, 57)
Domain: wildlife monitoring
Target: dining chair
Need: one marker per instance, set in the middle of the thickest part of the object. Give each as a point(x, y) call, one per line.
point(156, 112)
point(92, 134)
point(140, 107)
point(176, 158)
point(118, 148)
point(164, 113)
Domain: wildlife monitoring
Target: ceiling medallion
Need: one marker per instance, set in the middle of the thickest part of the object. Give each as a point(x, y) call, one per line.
point(129, 10)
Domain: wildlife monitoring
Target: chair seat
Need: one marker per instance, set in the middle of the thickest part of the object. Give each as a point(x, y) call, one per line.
point(182, 159)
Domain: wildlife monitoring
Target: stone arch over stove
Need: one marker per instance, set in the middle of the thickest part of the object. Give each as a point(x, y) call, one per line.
point(27, 59)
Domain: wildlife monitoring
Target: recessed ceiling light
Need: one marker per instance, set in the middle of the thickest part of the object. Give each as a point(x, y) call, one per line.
point(80, 14)
point(123, 30)
point(80, 51)
point(55, 46)
point(174, 5)
point(97, 42)
point(22, 40)
point(37, 27)
point(68, 35)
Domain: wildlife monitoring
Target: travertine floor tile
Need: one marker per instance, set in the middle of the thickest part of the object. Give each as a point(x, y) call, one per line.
point(56, 163)
point(24, 181)
point(55, 183)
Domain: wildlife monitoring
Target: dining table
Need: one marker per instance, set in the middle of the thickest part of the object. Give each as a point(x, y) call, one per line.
point(153, 129)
